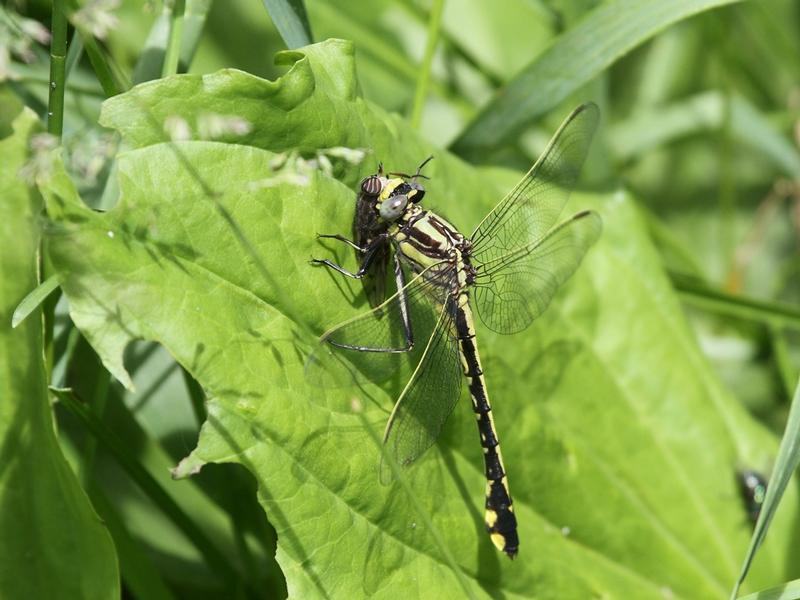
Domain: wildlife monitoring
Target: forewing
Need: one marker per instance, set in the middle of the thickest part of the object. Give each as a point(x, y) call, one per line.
point(428, 399)
point(373, 346)
point(514, 289)
point(531, 209)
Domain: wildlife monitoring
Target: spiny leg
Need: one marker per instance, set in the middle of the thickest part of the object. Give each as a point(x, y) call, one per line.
point(341, 238)
point(370, 252)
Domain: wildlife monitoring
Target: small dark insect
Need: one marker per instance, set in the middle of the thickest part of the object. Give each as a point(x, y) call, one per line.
point(753, 487)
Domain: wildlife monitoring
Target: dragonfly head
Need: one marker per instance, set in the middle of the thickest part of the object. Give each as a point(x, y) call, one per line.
point(395, 192)
point(397, 195)
point(407, 184)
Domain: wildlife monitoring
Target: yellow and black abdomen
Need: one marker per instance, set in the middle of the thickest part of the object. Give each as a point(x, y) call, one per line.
point(425, 240)
point(501, 523)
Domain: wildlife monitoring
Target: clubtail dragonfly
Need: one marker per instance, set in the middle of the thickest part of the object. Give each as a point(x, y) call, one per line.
point(508, 271)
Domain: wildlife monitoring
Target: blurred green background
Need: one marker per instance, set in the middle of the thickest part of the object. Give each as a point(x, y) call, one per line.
point(701, 122)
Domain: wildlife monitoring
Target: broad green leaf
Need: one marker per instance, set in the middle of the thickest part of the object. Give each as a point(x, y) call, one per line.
point(621, 445)
point(53, 544)
point(602, 37)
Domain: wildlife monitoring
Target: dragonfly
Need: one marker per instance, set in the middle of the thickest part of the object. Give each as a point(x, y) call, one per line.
point(507, 272)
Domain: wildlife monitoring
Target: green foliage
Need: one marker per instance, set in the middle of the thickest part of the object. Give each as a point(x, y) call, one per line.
point(571, 62)
point(52, 543)
point(186, 302)
point(169, 264)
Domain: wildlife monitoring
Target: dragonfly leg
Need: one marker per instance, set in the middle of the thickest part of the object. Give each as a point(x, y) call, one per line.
point(370, 252)
point(400, 282)
point(408, 333)
point(332, 265)
point(341, 238)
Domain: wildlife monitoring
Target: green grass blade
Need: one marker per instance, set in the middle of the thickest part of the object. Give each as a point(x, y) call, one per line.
point(788, 591)
point(75, 52)
point(172, 56)
point(696, 292)
point(782, 358)
point(148, 67)
point(291, 21)
point(58, 74)
point(137, 568)
point(32, 301)
point(580, 54)
point(101, 66)
point(424, 75)
point(785, 465)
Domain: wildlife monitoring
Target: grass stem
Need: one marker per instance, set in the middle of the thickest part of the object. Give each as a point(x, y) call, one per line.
point(424, 75)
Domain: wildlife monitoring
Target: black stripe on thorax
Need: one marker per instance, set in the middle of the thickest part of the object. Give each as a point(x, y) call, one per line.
point(448, 237)
point(452, 235)
point(422, 239)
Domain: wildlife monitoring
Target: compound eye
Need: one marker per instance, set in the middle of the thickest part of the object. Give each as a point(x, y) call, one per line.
point(393, 207)
point(371, 185)
point(420, 191)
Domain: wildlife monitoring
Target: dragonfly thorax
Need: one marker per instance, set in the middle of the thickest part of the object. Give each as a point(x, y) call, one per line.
point(423, 239)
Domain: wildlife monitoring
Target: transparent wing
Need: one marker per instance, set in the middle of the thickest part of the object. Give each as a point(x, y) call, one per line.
point(374, 345)
point(529, 210)
point(428, 399)
point(514, 289)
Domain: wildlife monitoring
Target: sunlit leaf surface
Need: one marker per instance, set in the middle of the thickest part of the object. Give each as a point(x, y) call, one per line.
point(52, 543)
point(621, 445)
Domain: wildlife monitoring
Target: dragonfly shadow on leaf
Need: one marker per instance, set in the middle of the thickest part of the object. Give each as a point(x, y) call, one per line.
point(547, 369)
point(173, 252)
point(328, 370)
point(487, 558)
